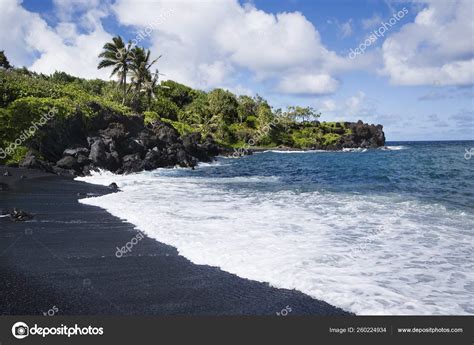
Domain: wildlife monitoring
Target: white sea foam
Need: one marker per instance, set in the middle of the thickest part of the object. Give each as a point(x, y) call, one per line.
point(357, 149)
point(366, 253)
point(293, 151)
point(394, 148)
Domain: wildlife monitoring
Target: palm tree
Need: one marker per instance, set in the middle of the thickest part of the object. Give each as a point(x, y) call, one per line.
point(118, 55)
point(142, 78)
point(150, 87)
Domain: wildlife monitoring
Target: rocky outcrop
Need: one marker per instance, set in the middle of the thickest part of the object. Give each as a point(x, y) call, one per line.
point(17, 215)
point(363, 135)
point(125, 144)
point(121, 144)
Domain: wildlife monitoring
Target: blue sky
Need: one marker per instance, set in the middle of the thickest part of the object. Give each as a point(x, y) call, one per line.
point(416, 79)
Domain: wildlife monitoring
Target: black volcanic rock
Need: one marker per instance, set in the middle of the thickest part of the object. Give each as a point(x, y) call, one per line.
point(363, 135)
point(82, 160)
point(76, 151)
point(31, 162)
point(67, 162)
point(124, 144)
point(165, 132)
point(156, 159)
point(113, 186)
point(19, 215)
point(97, 153)
point(131, 163)
point(210, 146)
point(130, 146)
point(115, 131)
point(191, 143)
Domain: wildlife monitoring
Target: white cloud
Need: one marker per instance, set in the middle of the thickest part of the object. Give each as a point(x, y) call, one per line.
point(346, 29)
point(196, 39)
point(371, 22)
point(315, 84)
point(328, 105)
point(437, 46)
point(353, 108)
point(29, 40)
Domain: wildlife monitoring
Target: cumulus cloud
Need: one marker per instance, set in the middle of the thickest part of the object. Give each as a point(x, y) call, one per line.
point(29, 40)
point(352, 108)
point(197, 38)
point(312, 84)
point(437, 46)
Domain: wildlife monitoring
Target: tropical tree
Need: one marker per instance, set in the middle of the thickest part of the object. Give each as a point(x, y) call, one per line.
point(140, 69)
point(4, 61)
point(118, 55)
point(198, 113)
point(264, 112)
point(223, 105)
point(180, 94)
point(302, 113)
point(247, 107)
point(150, 85)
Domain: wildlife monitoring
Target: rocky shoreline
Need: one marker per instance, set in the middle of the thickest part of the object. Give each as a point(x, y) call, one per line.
point(126, 144)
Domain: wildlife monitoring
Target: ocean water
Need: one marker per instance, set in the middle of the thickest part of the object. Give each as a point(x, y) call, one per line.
point(382, 231)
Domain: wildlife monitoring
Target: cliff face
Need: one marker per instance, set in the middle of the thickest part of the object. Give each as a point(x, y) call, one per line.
point(363, 135)
point(121, 144)
point(125, 144)
point(333, 135)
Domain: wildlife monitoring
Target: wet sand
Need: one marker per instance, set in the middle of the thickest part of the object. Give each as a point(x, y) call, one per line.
point(64, 261)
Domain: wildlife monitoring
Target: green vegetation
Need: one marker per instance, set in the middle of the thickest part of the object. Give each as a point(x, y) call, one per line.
point(233, 121)
point(4, 63)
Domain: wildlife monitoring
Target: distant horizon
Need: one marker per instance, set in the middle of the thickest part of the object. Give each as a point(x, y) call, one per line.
point(444, 140)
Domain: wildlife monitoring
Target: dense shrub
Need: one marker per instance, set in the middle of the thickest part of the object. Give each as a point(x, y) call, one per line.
point(223, 105)
point(165, 108)
point(26, 111)
point(26, 95)
point(179, 94)
point(330, 139)
point(182, 128)
point(251, 121)
point(151, 116)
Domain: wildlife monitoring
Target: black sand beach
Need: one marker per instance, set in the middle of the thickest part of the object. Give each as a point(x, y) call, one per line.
point(63, 261)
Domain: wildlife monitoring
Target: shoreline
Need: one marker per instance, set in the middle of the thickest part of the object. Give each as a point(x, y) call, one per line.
point(65, 258)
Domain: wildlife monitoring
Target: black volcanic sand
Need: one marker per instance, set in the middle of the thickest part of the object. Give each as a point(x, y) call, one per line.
point(65, 258)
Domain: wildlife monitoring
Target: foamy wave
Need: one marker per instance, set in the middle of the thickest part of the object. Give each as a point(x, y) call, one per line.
point(357, 149)
point(394, 148)
point(293, 151)
point(209, 165)
point(365, 253)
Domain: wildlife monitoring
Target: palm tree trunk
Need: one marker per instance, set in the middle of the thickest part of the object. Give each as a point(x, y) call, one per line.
point(124, 86)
